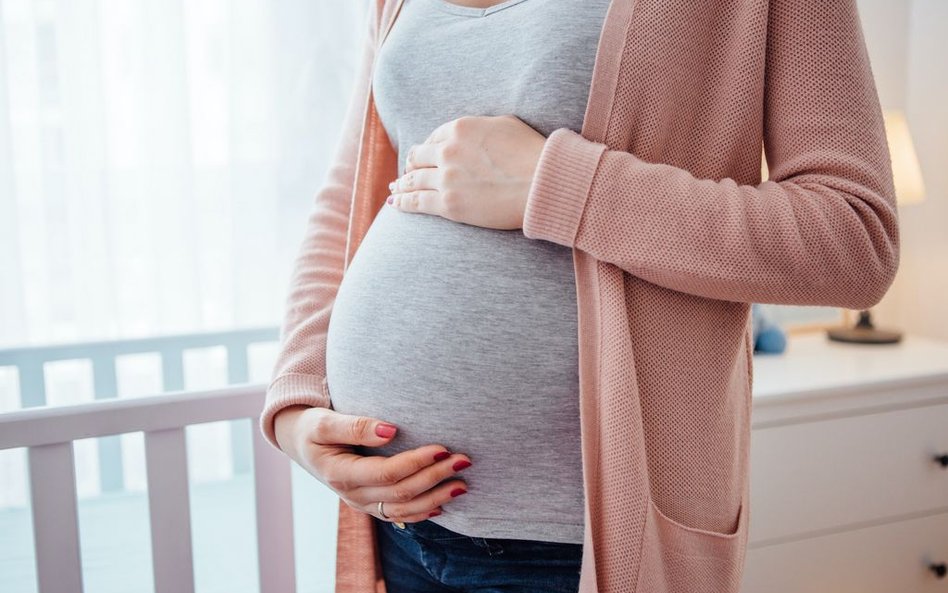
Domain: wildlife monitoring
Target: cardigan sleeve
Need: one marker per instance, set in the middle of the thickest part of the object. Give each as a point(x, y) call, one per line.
point(299, 373)
point(822, 230)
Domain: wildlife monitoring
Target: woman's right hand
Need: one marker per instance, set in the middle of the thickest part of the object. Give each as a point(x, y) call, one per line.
point(410, 484)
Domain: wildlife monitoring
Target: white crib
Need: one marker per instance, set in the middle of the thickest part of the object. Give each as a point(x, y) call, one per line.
point(48, 433)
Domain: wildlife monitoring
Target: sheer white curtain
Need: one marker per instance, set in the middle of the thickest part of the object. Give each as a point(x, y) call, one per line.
point(157, 159)
point(157, 163)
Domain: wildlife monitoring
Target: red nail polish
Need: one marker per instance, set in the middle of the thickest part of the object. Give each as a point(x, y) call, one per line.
point(458, 491)
point(461, 464)
point(434, 513)
point(441, 455)
point(384, 430)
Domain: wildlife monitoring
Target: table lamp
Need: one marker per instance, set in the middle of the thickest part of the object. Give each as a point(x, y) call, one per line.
point(909, 189)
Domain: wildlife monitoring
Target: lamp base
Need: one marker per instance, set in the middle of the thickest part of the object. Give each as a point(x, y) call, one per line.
point(864, 332)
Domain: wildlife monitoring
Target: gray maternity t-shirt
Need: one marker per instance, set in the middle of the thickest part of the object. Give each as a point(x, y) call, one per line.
point(462, 335)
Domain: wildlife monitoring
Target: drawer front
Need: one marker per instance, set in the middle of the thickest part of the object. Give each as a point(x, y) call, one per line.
point(839, 472)
point(894, 557)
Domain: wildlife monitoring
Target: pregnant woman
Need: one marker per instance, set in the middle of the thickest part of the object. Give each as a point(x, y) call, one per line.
point(519, 352)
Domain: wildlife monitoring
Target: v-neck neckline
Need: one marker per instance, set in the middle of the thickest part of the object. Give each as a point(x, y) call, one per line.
point(473, 11)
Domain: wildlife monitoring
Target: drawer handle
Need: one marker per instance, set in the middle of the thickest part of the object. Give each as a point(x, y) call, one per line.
point(939, 568)
point(942, 459)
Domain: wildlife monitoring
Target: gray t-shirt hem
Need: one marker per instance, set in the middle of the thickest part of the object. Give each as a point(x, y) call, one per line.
point(538, 530)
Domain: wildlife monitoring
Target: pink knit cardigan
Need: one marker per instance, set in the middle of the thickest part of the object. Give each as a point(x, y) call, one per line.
point(673, 235)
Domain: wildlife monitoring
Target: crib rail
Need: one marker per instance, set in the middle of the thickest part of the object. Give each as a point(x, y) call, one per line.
point(48, 433)
point(31, 361)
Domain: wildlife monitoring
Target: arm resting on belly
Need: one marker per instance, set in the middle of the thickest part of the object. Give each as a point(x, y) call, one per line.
point(822, 230)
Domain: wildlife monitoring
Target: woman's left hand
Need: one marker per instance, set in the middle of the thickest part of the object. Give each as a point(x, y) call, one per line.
point(473, 169)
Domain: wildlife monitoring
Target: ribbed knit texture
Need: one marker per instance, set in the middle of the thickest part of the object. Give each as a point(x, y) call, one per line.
point(674, 235)
point(552, 207)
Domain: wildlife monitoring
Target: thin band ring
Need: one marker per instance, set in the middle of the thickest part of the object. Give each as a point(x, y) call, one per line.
point(382, 514)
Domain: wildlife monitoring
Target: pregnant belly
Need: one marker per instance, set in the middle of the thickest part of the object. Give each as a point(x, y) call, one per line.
point(461, 336)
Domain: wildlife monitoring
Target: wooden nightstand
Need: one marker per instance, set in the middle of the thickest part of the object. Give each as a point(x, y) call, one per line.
point(849, 474)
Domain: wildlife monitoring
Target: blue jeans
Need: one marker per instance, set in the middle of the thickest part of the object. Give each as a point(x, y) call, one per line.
point(428, 558)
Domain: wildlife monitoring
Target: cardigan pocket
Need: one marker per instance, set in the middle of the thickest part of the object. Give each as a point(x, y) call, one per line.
point(677, 558)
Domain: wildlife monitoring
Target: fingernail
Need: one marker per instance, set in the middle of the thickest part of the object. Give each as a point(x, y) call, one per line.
point(390, 199)
point(458, 491)
point(434, 513)
point(384, 430)
point(461, 464)
point(442, 455)
point(391, 185)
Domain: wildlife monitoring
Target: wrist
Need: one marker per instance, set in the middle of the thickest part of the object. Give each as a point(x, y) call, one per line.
point(284, 424)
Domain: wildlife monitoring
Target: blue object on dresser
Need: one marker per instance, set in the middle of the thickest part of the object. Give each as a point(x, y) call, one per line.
point(768, 337)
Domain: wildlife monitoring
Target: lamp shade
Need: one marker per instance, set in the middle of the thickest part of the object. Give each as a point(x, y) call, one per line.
point(906, 172)
point(764, 172)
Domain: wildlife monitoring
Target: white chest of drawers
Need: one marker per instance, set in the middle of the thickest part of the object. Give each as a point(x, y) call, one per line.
point(849, 468)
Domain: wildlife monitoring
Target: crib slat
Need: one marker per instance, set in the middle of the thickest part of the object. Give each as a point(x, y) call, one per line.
point(111, 473)
point(274, 500)
point(238, 371)
point(55, 518)
point(169, 510)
